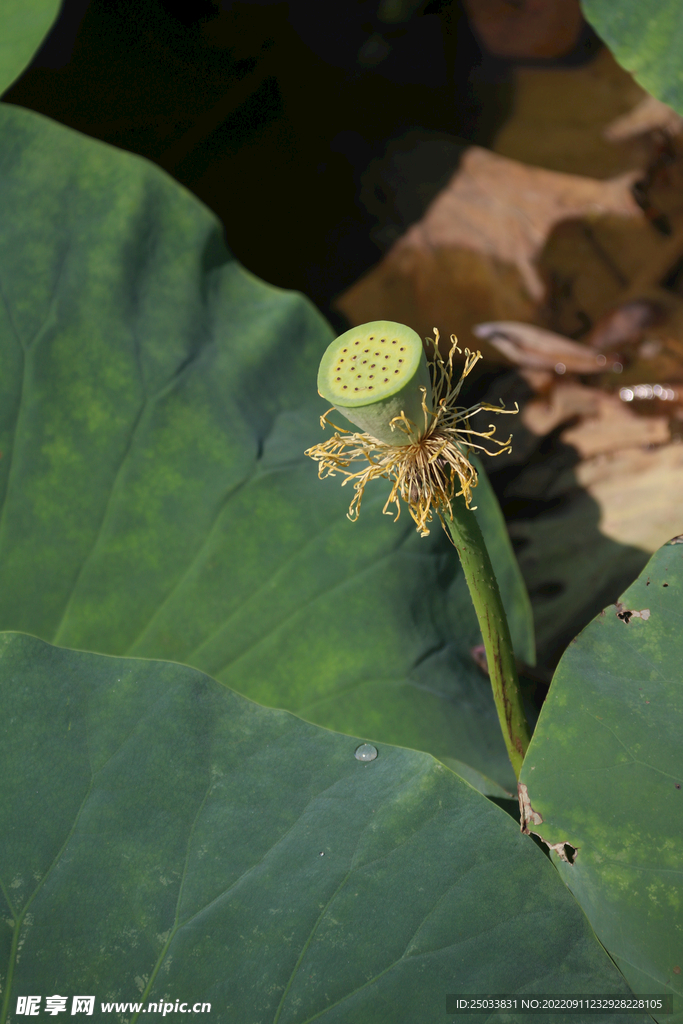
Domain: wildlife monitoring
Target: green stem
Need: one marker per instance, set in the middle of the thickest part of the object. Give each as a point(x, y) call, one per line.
point(500, 656)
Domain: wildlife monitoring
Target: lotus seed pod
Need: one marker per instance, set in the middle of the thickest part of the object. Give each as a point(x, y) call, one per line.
point(372, 374)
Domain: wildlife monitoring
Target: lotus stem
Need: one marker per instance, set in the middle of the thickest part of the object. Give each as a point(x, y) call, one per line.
point(377, 376)
point(500, 656)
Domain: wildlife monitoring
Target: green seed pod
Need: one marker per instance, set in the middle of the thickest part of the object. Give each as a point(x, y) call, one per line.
point(373, 373)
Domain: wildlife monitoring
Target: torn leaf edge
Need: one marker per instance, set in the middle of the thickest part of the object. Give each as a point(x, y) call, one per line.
point(528, 815)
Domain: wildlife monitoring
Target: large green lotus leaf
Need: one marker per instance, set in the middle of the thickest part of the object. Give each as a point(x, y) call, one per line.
point(23, 25)
point(646, 36)
point(604, 772)
point(163, 838)
point(155, 404)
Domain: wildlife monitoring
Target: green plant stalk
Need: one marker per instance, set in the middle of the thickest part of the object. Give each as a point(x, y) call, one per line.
point(373, 373)
point(500, 655)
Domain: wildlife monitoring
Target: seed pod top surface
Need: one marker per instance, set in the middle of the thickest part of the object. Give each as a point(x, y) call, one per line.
point(373, 373)
point(369, 362)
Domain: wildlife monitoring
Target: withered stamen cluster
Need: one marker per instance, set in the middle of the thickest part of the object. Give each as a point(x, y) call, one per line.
point(424, 473)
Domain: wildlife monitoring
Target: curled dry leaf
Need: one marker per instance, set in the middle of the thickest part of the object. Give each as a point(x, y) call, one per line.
point(506, 209)
point(476, 254)
point(505, 240)
point(534, 347)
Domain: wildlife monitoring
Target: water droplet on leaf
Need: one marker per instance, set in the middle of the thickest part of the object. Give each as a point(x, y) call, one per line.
point(366, 752)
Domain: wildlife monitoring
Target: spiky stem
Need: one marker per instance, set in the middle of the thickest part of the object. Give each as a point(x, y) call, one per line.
point(500, 656)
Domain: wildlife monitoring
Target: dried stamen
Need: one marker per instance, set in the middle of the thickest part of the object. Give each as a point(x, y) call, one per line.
point(425, 473)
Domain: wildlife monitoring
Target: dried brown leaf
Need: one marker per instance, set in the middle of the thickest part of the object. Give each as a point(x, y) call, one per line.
point(649, 115)
point(613, 426)
point(565, 402)
point(474, 255)
point(639, 491)
point(535, 348)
